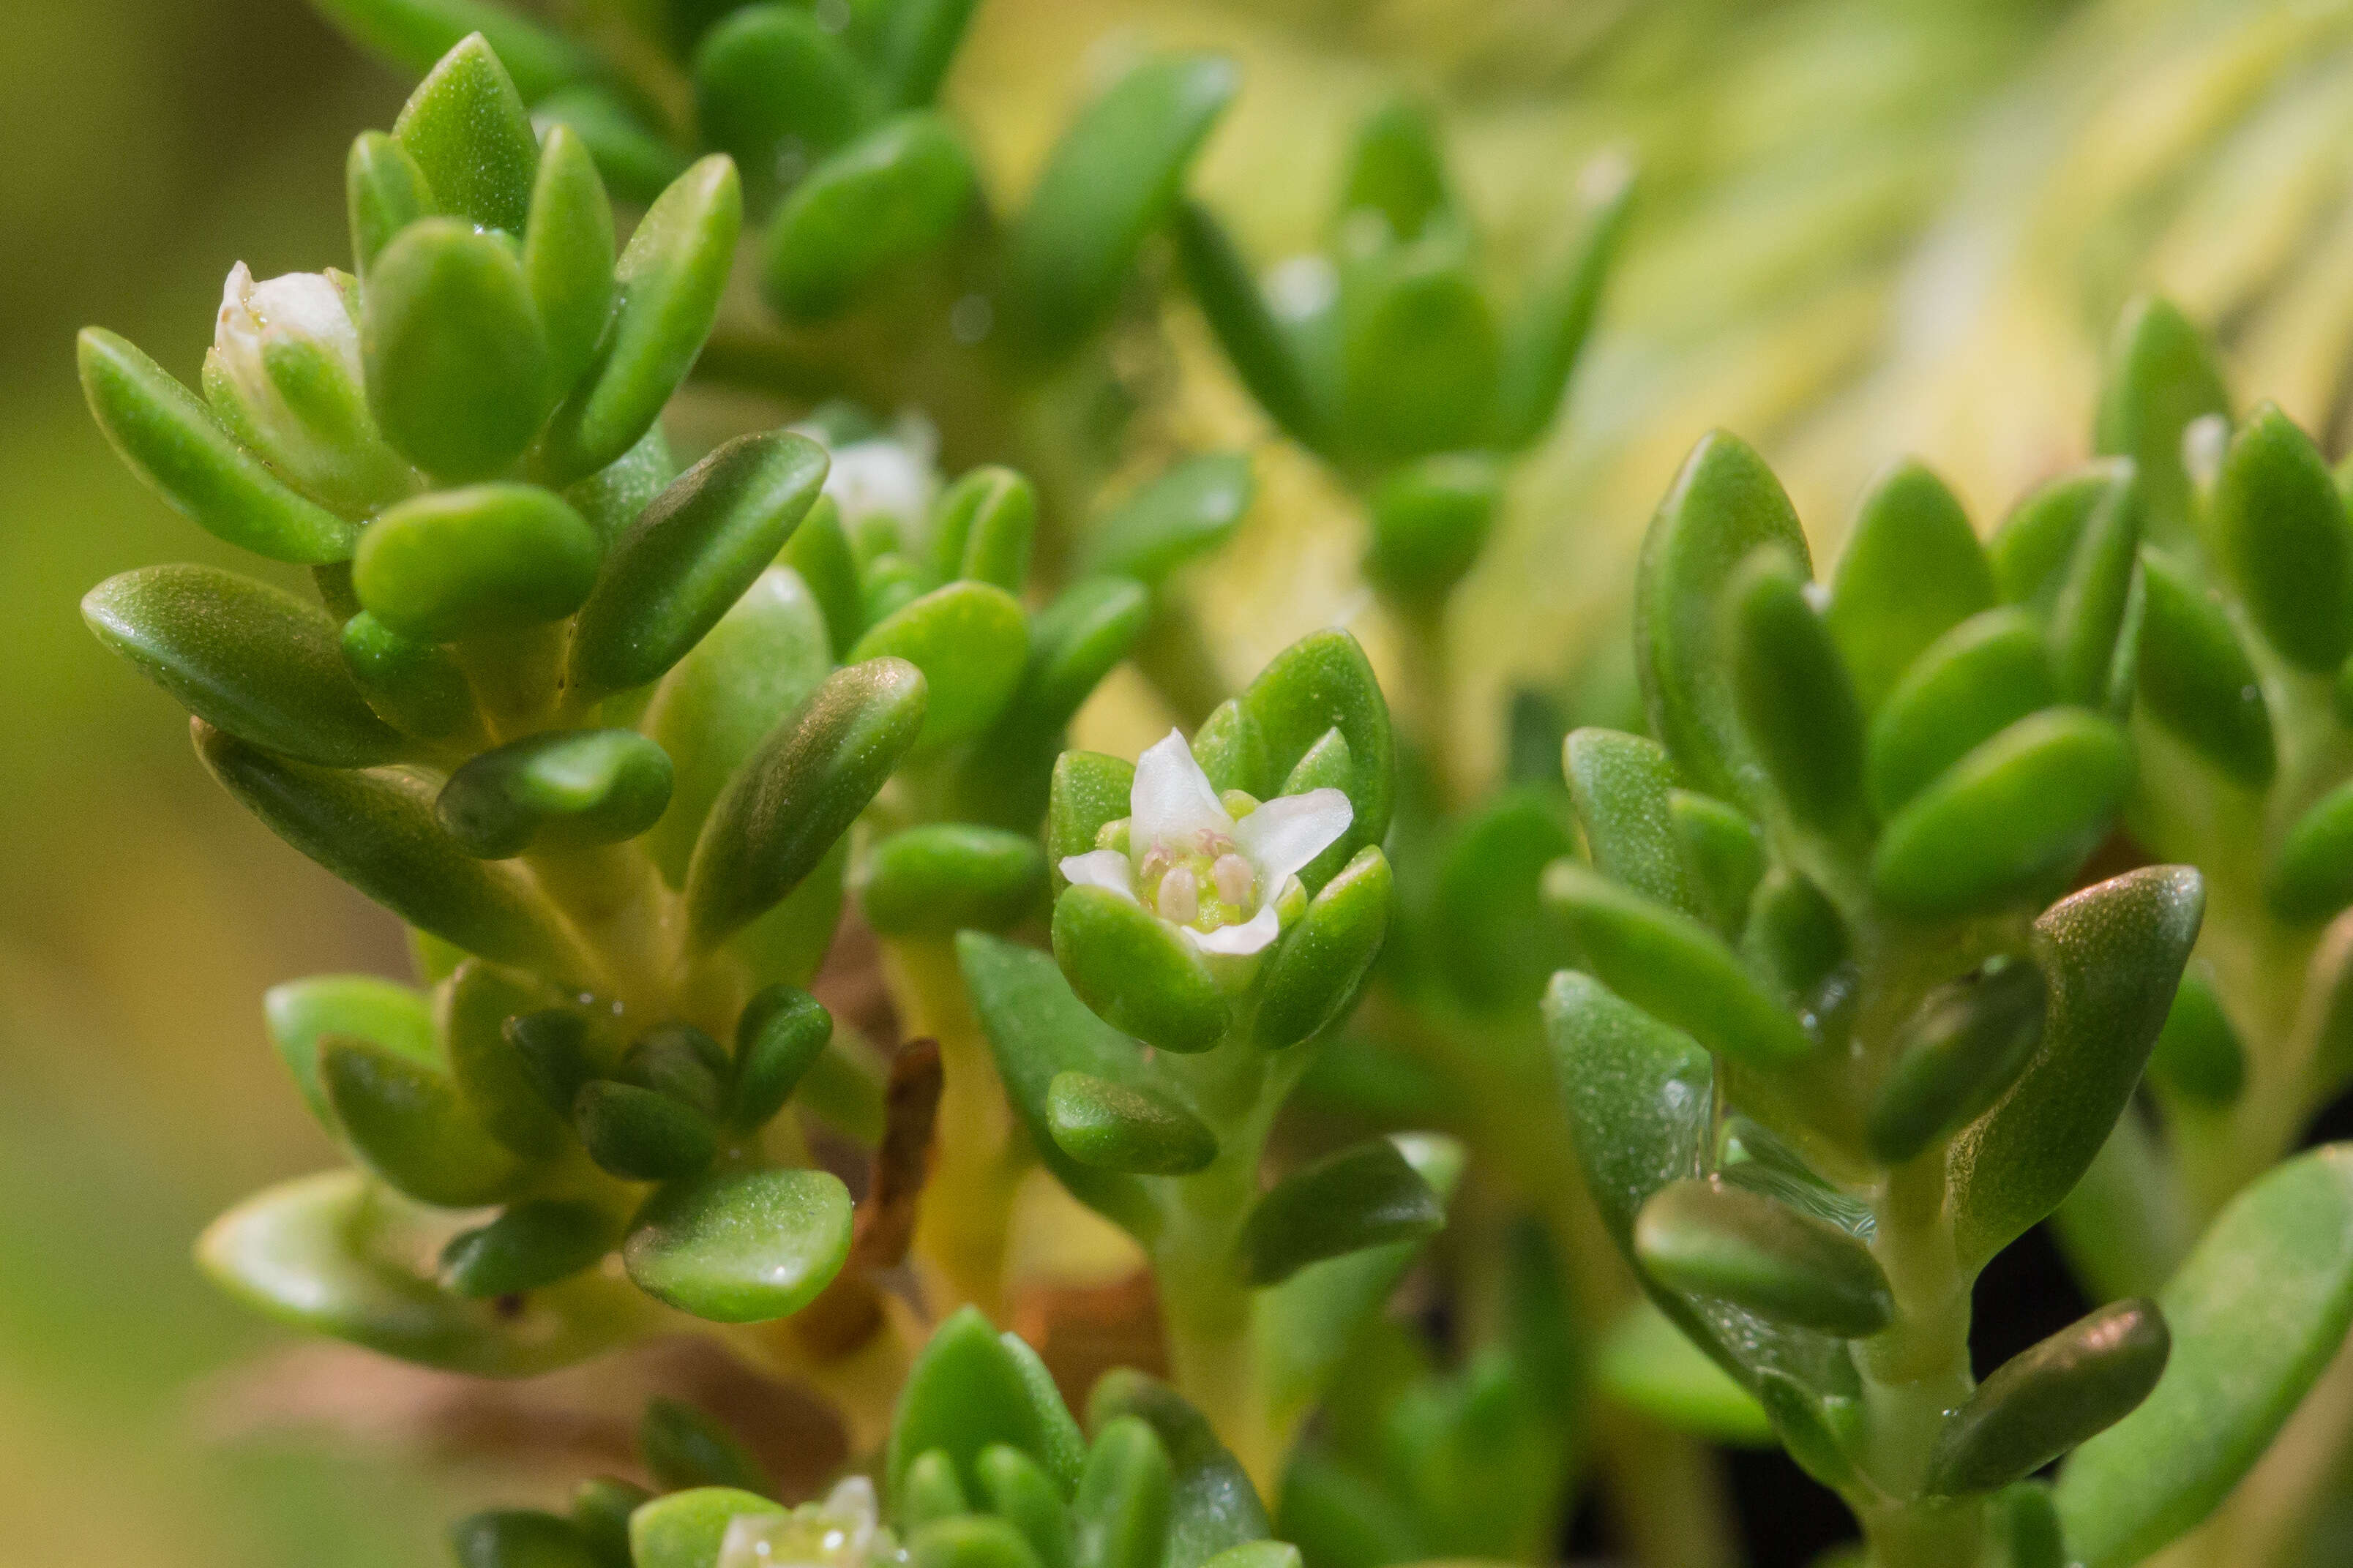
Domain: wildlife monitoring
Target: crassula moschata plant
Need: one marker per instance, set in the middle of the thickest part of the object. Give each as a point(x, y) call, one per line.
point(1469, 1137)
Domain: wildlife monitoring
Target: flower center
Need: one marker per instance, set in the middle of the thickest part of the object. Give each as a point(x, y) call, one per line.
point(1203, 882)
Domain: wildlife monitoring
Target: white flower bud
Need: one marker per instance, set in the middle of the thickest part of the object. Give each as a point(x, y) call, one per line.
point(285, 374)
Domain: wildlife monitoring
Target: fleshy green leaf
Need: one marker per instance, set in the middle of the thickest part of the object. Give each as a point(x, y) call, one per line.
point(458, 371)
point(741, 1247)
point(1725, 504)
point(246, 657)
point(1621, 785)
point(528, 1247)
point(969, 1541)
point(2281, 531)
point(383, 192)
point(518, 1538)
point(1966, 688)
point(1724, 853)
point(501, 1088)
point(780, 1036)
point(683, 1448)
point(1967, 1044)
point(1212, 1508)
point(799, 792)
point(775, 90)
point(1136, 973)
point(2033, 801)
point(982, 526)
point(170, 440)
point(407, 1123)
point(301, 1012)
point(969, 1389)
point(1114, 1127)
point(1187, 512)
point(1322, 959)
point(2198, 1054)
point(1667, 962)
point(1715, 1239)
point(883, 200)
point(2092, 604)
point(312, 1254)
point(1319, 683)
point(2195, 679)
point(488, 558)
point(2311, 873)
point(561, 788)
point(1074, 643)
point(2159, 378)
point(466, 127)
point(1495, 941)
point(2030, 549)
point(970, 640)
point(2112, 955)
point(2050, 1397)
point(1365, 1195)
point(1121, 1506)
point(941, 877)
point(1420, 354)
point(1430, 522)
point(567, 255)
point(641, 1134)
point(1089, 790)
point(671, 277)
point(1911, 572)
point(1019, 1491)
point(2255, 1313)
point(1396, 169)
point(687, 1529)
point(636, 161)
point(1542, 349)
point(1261, 354)
point(417, 686)
point(377, 832)
point(691, 554)
point(1111, 177)
point(1796, 705)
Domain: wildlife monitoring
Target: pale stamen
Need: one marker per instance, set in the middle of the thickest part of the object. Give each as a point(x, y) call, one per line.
point(1180, 896)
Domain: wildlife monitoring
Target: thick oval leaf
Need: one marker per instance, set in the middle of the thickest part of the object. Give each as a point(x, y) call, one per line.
point(781, 813)
point(1724, 505)
point(741, 1247)
point(1136, 973)
point(529, 1246)
point(466, 127)
point(1255, 344)
point(684, 1447)
point(2112, 955)
point(2311, 873)
point(2196, 681)
point(2159, 378)
point(2282, 533)
point(1122, 1498)
point(1420, 356)
point(916, 46)
point(1321, 683)
point(501, 1089)
point(561, 788)
point(1114, 1127)
point(567, 255)
point(2197, 1054)
point(1396, 169)
point(883, 200)
point(671, 277)
point(689, 1528)
point(1212, 1507)
point(756, 667)
point(1190, 511)
point(2257, 1311)
point(2091, 604)
point(945, 876)
point(970, 640)
point(1966, 1044)
point(385, 192)
point(301, 1014)
point(775, 90)
point(308, 1254)
point(691, 555)
point(1089, 791)
point(1111, 177)
point(1797, 704)
point(170, 440)
point(1668, 963)
point(780, 1036)
point(1794, 933)
point(488, 558)
point(2050, 1397)
point(459, 372)
point(417, 686)
point(1365, 1195)
point(2033, 801)
point(1542, 349)
point(244, 656)
point(1911, 572)
point(1430, 522)
point(518, 1538)
point(1018, 1490)
point(1724, 854)
point(1074, 643)
point(1715, 1239)
point(1324, 957)
point(641, 1134)
point(968, 1390)
point(407, 1123)
point(983, 527)
point(1966, 688)
point(377, 832)
point(2031, 549)
point(1621, 785)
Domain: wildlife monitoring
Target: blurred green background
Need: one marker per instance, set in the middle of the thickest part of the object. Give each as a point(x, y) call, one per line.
point(1868, 229)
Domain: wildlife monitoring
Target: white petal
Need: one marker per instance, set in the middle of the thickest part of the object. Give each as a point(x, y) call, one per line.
point(1290, 830)
point(1235, 942)
point(1172, 799)
point(1100, 868)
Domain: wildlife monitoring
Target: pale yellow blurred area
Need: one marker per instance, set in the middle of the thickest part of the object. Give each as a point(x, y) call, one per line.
point(1867, 230)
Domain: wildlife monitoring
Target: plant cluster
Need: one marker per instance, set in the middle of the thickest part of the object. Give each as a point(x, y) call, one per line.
point(1809, 999)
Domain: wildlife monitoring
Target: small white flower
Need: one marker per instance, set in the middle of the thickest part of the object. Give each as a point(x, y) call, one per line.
point(844, 1531)
point(1216, 877)
point(286, 358)
point(891, 476)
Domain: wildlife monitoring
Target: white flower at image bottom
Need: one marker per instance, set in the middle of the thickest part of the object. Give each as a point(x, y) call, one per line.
point(1224, 877)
